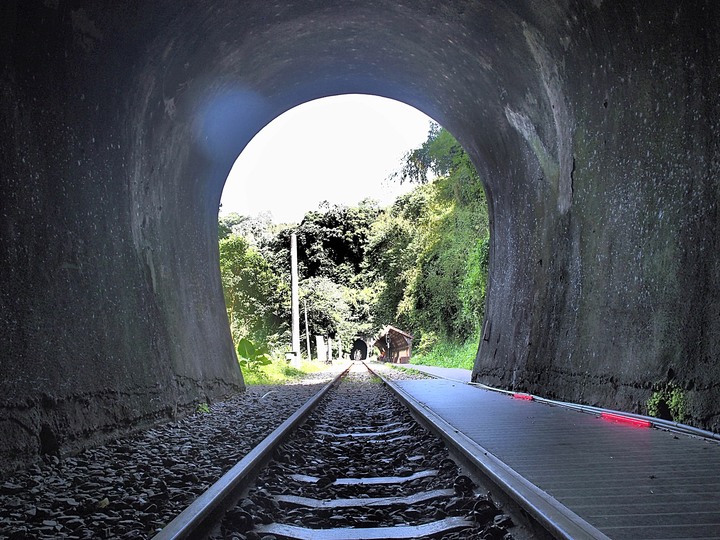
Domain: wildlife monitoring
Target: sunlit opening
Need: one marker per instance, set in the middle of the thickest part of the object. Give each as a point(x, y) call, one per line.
point(345, 216)
point(339, 149)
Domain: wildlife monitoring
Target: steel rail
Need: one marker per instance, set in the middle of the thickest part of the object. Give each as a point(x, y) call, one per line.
point(194, 520)
point(553, 516)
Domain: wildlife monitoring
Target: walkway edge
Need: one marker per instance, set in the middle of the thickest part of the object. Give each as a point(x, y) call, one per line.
point(660, 423)
point(556, 518)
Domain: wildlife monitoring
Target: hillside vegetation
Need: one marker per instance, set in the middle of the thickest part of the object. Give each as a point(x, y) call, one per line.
point(419, 264)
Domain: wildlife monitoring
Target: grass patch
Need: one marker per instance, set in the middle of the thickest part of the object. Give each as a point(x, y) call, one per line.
point(203, 408)
point(410, 371)
point(449, 355)
point(280, 372)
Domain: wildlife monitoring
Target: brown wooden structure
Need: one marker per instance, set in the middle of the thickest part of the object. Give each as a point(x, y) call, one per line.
point(394, 345)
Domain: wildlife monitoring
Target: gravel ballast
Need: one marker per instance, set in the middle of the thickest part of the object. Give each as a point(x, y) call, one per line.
point(362, 465)
point(135, 485)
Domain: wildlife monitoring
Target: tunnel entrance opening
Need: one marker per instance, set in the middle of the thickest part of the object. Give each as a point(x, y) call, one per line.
point(598, 149)
point(429, 217)
point(359, 350)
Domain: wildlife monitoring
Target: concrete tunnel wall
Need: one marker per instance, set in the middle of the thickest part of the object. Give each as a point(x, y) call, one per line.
point(595, 127)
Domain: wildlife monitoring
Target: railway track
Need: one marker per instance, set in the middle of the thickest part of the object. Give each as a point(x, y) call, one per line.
point(358, 466)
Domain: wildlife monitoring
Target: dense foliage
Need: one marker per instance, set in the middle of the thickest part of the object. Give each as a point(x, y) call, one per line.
point(256, 297)
point(420, 264)
point(435, 240)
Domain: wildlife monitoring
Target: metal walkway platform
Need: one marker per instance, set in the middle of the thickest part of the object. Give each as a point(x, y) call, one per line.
point(453, 374)
point(629, 482)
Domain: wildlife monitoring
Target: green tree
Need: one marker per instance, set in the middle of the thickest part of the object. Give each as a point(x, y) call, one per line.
point(430, 249)
point(228, 224)
point(255, 296)
point(256, 230)
point(331, 242)
point(391, 259)
point(328, 307)
point(438, 154)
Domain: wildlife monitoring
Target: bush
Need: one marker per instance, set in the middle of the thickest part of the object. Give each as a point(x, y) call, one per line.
point(668, 402)
point(450, 354)
point(250, 356)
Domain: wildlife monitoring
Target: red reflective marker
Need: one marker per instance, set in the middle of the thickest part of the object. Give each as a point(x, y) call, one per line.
point(626, 420)
point(526, 397)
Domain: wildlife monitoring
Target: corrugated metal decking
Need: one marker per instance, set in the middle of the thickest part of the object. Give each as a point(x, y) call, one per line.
point(629, 482)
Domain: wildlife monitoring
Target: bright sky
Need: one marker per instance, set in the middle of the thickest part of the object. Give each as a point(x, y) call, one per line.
point(341, 149)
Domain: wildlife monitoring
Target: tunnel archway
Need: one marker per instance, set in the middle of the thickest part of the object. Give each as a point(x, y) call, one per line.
point(359, 350)
point(593, 125)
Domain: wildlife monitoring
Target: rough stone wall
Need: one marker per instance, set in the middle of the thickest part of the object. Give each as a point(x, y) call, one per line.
point(605, 260)
point(593, 124)
point(111, 309)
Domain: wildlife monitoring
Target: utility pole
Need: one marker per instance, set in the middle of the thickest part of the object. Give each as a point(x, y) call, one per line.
point(307, 332)
point(295, 362)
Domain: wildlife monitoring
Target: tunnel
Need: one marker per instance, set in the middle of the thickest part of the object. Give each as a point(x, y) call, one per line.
point(593, 124)
point(359, 350)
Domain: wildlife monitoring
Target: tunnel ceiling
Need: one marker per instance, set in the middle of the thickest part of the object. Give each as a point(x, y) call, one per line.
point(594, 126)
